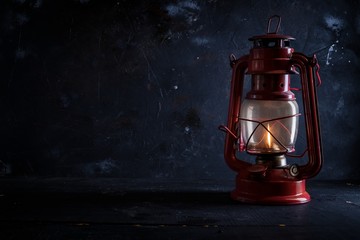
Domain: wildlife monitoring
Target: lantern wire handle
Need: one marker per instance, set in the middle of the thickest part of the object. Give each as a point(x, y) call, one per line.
point(295, 89)
point(262, 124)
point(317, 70)
point(227, 130)
point(277, 26)
point(297, 156)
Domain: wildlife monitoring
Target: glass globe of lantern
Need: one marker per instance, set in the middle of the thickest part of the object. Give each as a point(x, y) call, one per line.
point(276, 135)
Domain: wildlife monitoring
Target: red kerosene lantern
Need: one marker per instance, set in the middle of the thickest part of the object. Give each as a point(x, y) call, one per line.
point(265, 122)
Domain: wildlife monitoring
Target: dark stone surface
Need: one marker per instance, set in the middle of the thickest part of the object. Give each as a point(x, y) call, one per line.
point(65, 208)
point(136, 89)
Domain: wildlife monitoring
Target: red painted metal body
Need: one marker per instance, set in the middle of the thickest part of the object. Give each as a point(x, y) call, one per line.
point(270, 63)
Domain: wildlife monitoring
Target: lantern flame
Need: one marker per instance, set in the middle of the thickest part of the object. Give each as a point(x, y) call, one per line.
point(268, 137)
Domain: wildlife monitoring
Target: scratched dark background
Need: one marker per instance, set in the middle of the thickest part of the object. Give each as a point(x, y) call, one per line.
point(136, 89)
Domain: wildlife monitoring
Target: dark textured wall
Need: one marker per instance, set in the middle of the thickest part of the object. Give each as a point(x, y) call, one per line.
point(137, 89)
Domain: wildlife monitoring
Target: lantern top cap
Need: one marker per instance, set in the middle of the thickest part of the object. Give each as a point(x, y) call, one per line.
point(272, 35)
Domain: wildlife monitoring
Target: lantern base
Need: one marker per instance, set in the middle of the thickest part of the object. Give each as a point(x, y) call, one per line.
point(269, 192)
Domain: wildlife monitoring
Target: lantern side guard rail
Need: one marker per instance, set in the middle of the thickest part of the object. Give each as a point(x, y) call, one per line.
point(239, 67)
point(309, 95)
